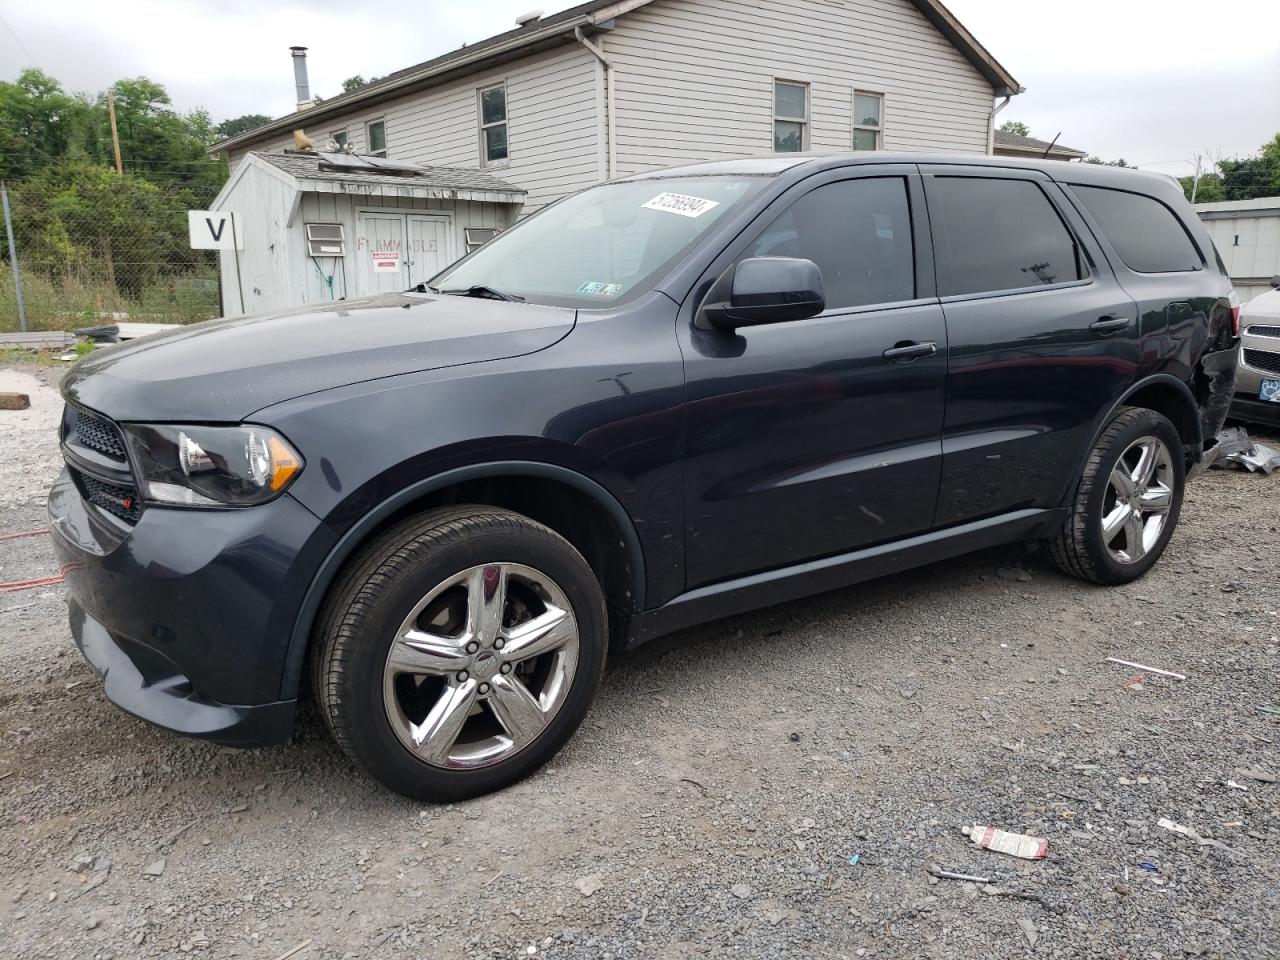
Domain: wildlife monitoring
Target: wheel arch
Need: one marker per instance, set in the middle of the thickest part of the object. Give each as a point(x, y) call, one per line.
point(1163, 393)
point(577, 507)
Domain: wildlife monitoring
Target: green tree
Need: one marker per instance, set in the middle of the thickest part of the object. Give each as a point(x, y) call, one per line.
point(238, 125)
point(1210, 189)
point(1016, 127)
point(1099, 162)
point(352, 83)
point(40, 123)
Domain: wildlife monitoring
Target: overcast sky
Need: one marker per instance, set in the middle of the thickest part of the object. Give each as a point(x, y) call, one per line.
point(1153, 81)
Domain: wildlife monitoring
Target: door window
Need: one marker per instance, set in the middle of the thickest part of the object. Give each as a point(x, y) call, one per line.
point(1000, 235)
point(858, 232)
point(1145, 233)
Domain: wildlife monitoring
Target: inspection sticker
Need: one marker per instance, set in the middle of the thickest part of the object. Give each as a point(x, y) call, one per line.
point(682, 204)
point(594, 288)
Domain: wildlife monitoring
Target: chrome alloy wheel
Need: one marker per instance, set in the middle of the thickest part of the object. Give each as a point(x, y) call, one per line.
point(1138, 499)
point(480, 666)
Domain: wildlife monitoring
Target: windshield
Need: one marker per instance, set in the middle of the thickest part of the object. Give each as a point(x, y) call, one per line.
point(601, 246)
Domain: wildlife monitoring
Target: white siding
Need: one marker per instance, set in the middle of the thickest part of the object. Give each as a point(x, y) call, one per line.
point(1247, 235)
point(552, 125)
point(695, 78)
point(277, 272)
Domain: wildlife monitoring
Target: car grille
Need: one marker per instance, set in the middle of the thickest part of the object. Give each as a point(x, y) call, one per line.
point(94, 450)
point(120, 502)
point(1262, 330)
point(97, 434)
point(1263, 360)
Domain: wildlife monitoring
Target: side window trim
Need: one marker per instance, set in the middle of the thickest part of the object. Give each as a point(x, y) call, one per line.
point(1058, 201)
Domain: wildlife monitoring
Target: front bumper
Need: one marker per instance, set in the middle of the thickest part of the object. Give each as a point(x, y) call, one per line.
point(187, 615)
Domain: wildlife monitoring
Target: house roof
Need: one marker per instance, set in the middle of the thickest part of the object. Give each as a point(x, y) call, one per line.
point(551, 31)
point(314, 172)
point(1014, 144)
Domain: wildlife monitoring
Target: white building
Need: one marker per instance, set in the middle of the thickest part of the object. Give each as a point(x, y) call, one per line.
point(611, 88)
point(1247, 235)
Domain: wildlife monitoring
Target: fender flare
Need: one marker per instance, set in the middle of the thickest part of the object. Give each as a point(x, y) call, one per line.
point(1159, 379)
point(356, 534)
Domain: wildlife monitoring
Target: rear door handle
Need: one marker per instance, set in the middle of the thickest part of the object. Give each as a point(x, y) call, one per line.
point(1109, 324)
point(908, 350)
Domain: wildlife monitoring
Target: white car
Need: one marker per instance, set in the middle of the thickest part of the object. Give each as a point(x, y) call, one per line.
point(1257, 397)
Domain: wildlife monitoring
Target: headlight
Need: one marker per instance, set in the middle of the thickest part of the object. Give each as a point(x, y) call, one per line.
point(212, 466)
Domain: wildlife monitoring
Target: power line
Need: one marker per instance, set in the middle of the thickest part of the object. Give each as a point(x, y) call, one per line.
point(21, 46)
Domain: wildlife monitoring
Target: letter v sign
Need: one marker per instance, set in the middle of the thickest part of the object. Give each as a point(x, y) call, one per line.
point(213, 230)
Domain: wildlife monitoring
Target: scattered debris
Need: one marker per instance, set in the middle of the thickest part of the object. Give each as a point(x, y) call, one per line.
point(1236, 447)
point(1134, 683)
point(1014, 844)
point(14, 401)
point(1232, 785)
point(1145, 669)
point(1273, 711)
point(1029, 931)
point(1149, 867)
point(294, 951)
point(950, 875)
point(1258, 774)
point(853, 859)
point(588, 885)
point(1014, 573)
point(169, 838)
point(1169, 825)
point(154, 869)
point(491, 880)
point(741, 891)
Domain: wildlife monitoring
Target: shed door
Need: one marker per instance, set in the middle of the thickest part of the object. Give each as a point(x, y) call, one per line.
point(382, 254)
point(428, 251)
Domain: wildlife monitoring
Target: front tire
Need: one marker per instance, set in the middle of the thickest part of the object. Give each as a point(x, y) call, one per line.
point(1127, 503)
point(459, 651)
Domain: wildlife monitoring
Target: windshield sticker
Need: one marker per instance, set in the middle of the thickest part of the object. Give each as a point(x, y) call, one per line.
point(681, 204)
point(594, 288)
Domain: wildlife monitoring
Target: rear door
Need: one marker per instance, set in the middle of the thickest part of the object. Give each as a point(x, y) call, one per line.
point(803, 439)
point(1041, 338)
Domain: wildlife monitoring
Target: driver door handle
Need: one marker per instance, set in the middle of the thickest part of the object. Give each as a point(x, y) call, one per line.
point(1109, 324)
point(907, 350)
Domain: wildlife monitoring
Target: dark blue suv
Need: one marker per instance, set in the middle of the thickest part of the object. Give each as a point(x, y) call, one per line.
point(666, 399)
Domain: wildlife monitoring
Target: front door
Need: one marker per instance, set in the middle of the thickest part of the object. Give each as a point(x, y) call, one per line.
point(804, 439)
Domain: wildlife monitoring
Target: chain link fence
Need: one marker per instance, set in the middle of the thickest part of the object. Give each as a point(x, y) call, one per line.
point(96, 247)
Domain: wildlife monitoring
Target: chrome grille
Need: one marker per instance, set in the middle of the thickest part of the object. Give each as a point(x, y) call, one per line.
point(1262, 330)
point(1263, 360)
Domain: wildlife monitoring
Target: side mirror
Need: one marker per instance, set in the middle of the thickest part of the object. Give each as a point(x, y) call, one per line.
point(763, 290)
point(1275, 282)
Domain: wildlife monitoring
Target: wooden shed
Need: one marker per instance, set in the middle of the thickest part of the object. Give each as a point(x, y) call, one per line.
point(330, 226)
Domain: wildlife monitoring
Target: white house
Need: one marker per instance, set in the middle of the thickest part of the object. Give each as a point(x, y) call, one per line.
point(613, 87)
point(1247, 235)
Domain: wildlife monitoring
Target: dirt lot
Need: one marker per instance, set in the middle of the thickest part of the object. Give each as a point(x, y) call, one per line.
point(715, 796)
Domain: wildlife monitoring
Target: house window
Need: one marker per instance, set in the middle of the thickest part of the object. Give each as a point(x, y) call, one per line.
point(340, 138)
point(868, 120)
point(493, 124)
point(790, 116)
point(375, 135)
point(478, 237)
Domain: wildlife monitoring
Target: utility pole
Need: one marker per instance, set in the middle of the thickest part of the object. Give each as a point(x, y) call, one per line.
point(13, 258)
point(1195, 181)
point(115, 137)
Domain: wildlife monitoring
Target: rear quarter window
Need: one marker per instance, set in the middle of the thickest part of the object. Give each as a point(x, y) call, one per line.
point(1146, 234)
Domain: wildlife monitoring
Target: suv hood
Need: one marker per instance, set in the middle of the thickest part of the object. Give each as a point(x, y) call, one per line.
point(224, 370)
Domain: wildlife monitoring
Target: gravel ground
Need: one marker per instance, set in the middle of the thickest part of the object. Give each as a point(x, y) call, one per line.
point(712, 801)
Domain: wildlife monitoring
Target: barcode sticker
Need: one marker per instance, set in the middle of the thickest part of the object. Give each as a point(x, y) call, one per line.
point(681, 204)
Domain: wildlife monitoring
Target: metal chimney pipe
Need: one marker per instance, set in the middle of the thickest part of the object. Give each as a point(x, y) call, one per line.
point(300, 76)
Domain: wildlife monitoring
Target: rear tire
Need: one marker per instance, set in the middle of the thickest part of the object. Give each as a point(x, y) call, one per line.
point(459, 651)
point(1127, 503)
